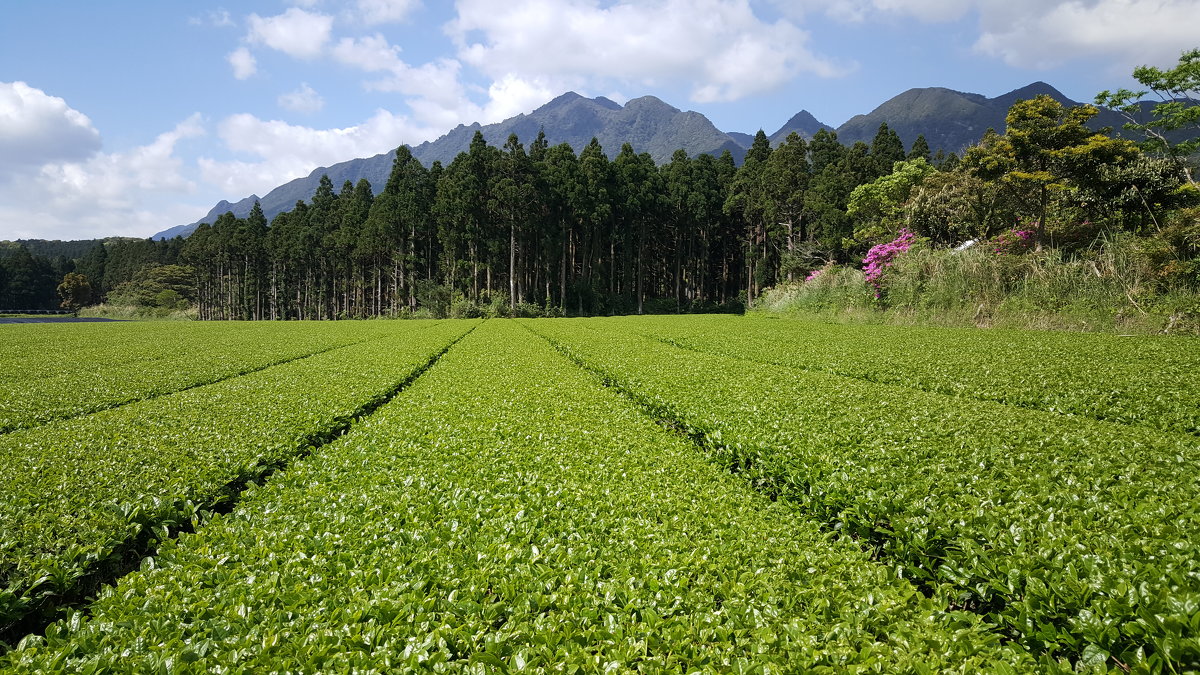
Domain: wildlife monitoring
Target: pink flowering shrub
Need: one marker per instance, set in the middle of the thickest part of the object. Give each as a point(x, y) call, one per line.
point(1013, 242)
point(813, 274)
point(883, 256)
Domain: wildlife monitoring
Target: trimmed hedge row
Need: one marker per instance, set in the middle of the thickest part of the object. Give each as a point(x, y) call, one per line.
point(78, 496)
point(1144, 381)
point(1078, 538)
point(51, 372)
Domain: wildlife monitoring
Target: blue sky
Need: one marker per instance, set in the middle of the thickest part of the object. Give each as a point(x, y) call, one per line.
point(130, 116)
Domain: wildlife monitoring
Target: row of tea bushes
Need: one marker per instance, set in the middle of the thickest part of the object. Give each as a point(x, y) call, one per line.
point(1078, 538)
point(1145, 381)
point(57, 371)
point(78, 496)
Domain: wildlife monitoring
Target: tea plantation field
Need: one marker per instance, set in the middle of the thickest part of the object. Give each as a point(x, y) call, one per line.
point(651, 494)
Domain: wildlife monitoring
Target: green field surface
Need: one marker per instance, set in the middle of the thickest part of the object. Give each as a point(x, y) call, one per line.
point(1077, 537)
point(77, 496)
point(650, 494)
point(58, 371)
point(1150, 381)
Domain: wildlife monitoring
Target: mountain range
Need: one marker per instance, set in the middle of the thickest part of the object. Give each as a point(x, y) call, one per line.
point(950, 121)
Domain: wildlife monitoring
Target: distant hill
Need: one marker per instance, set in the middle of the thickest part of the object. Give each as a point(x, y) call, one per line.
point(55, 248)
point(951, 120)
point(646, 123)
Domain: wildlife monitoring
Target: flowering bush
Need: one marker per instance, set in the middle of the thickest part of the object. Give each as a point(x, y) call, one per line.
point(1013, 242)
point(882, 256)
point(813, 274)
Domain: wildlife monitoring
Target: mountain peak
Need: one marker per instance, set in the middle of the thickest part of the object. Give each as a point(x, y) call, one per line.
point(802, 123)
point(561, 100)
point(607, 103)
point(1032, 90)
point(649, 103)
point(570, 99)
point(949, 120)
point(802, 117)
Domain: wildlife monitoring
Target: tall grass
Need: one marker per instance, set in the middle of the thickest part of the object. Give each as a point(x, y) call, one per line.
point(1111, 287)
point(138, 313)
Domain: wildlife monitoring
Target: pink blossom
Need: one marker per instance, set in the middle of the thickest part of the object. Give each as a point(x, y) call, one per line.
point(1013, 242)
point(883, 256)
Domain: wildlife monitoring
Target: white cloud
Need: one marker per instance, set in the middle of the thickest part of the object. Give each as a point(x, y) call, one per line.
point(304, 99)
point(371, 53)
point(36, 128)
point(854, 11)
point(719, 47)
point(244, 65)
point(1025, 33)
point(511, 95)
point(298, 33)
point(281, 152)
point(385, 11)
point(112, 179)
point(438, 97)
point(1042, 33)
point(218, 18)
point(436, 81)
point(134, 192)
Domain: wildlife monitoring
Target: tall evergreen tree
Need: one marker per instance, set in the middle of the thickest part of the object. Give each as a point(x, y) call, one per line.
point(748, 201)
point(785, 180)
point(886, 150)
point(920, 149)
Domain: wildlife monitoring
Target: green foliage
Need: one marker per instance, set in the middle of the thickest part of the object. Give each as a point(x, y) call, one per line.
point(1046, 156)
point(878, 205)
point(168, 287)
point(28, 281)
point(75, 291)
point(886, 150)
point(1178, 109)
point(950, 207)
point(920, 149)
point(586, 234)
point(1124, 284)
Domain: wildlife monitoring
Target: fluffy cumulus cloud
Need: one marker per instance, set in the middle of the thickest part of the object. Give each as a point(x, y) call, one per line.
point(296, 32)
point(720, 47)
point(280, 151)
point(134, 192)
point(1030, 33)
point(112, 179)
point(304, 100)
point(434, 90)
point(1041, 33)
point(511, 61)
point(36, 128)
point(243, 62)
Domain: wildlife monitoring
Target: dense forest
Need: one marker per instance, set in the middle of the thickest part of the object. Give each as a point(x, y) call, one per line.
point(548, 230)
point(32, 270)
point(543, 230)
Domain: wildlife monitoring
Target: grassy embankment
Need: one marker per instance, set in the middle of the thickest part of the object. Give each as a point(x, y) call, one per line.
point(1113, 287)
